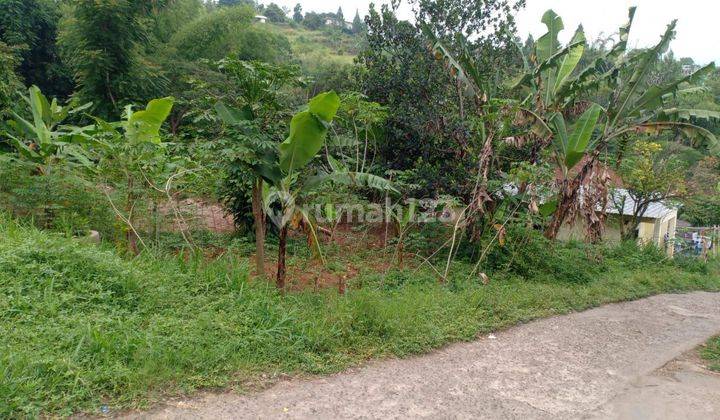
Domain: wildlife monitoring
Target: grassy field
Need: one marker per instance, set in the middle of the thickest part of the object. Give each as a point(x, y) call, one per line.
point(711, 353)
point(82, 327)
point(326, 46)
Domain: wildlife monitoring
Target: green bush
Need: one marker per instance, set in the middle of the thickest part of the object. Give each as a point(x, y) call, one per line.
point(229, 31)
point(60, 201)
point(632, 256)
point(526, 253)
point(691, 264)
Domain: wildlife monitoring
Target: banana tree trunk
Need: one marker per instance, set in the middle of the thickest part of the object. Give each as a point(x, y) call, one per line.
point(259, 217)
point(282, 247)
point(558, 218)
point(569, 191)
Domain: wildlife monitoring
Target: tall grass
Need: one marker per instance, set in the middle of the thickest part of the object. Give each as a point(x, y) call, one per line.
point(711, 353)
point(82, 327)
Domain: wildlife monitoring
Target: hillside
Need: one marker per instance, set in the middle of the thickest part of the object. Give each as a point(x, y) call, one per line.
point(327, 45)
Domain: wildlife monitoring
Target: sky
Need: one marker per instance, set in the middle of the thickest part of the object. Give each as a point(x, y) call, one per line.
point(698, 35)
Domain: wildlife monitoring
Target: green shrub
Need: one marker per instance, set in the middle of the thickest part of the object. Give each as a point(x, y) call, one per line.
point(526, 253)
point(60, 201)
point(229, 31)
point(711, 353)
point(691, 264)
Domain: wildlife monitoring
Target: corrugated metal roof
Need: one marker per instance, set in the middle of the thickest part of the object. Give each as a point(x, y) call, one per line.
point(655, 210)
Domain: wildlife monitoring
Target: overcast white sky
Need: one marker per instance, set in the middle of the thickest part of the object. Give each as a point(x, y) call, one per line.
point(698, 30)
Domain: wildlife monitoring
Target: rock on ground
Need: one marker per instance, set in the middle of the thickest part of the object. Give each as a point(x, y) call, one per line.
point(616, 361)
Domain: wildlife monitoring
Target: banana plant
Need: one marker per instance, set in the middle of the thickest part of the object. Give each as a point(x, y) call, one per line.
point(44, 139)
point(403, 219)
point(308, 130)
point(572, 146)
point(285, 190)
point(275, 170)
point(547, 75)
point(257, 90)
point(553, 85)
point(340, 174)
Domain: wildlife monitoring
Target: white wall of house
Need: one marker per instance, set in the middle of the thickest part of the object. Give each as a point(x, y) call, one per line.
point(650, 231)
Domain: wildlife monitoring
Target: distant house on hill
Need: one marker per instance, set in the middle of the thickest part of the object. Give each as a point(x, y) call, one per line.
point(332, 21)
point(260, 18)
point(688, 69)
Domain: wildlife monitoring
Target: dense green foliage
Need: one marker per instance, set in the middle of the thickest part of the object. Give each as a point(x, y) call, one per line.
point(228, 31)
point(160, 123)
point(702, 206)
point(420, 136)
point(30, 27)
point(9, 82)
point(83, 327)
point(62, 201)
point(103, 43)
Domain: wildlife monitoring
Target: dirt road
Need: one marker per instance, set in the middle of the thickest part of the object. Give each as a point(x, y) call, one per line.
point(627, 360)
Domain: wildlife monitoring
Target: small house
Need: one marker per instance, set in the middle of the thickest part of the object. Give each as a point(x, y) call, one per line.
point(657, 226)
point(260, 18)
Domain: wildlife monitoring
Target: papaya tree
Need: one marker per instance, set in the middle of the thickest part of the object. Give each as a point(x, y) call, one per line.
point(360, 119)
point(129, 152)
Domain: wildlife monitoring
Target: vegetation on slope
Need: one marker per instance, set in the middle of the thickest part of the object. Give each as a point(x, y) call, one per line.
point(83, 327)
point(182, 103)
point(320, 46)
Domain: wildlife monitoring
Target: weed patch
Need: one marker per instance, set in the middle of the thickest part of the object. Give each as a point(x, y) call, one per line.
point(83, 327)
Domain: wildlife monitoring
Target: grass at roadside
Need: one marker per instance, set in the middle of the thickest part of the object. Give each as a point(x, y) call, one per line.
point(711, 353)
point(82, 327)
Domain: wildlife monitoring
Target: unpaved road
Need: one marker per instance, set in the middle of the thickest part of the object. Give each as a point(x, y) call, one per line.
point(627, 360)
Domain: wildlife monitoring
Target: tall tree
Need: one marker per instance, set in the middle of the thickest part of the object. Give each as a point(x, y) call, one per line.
point(340, 17)
point(229, 31)
point(176, 14)
point(313, 20)
point(9, 82)
point(358, 25)
point(421, 137)
point(297, 13)
point(29, 27)
point(488, 28)
point(102, 42)
point(274, 13)
point(485, 19)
